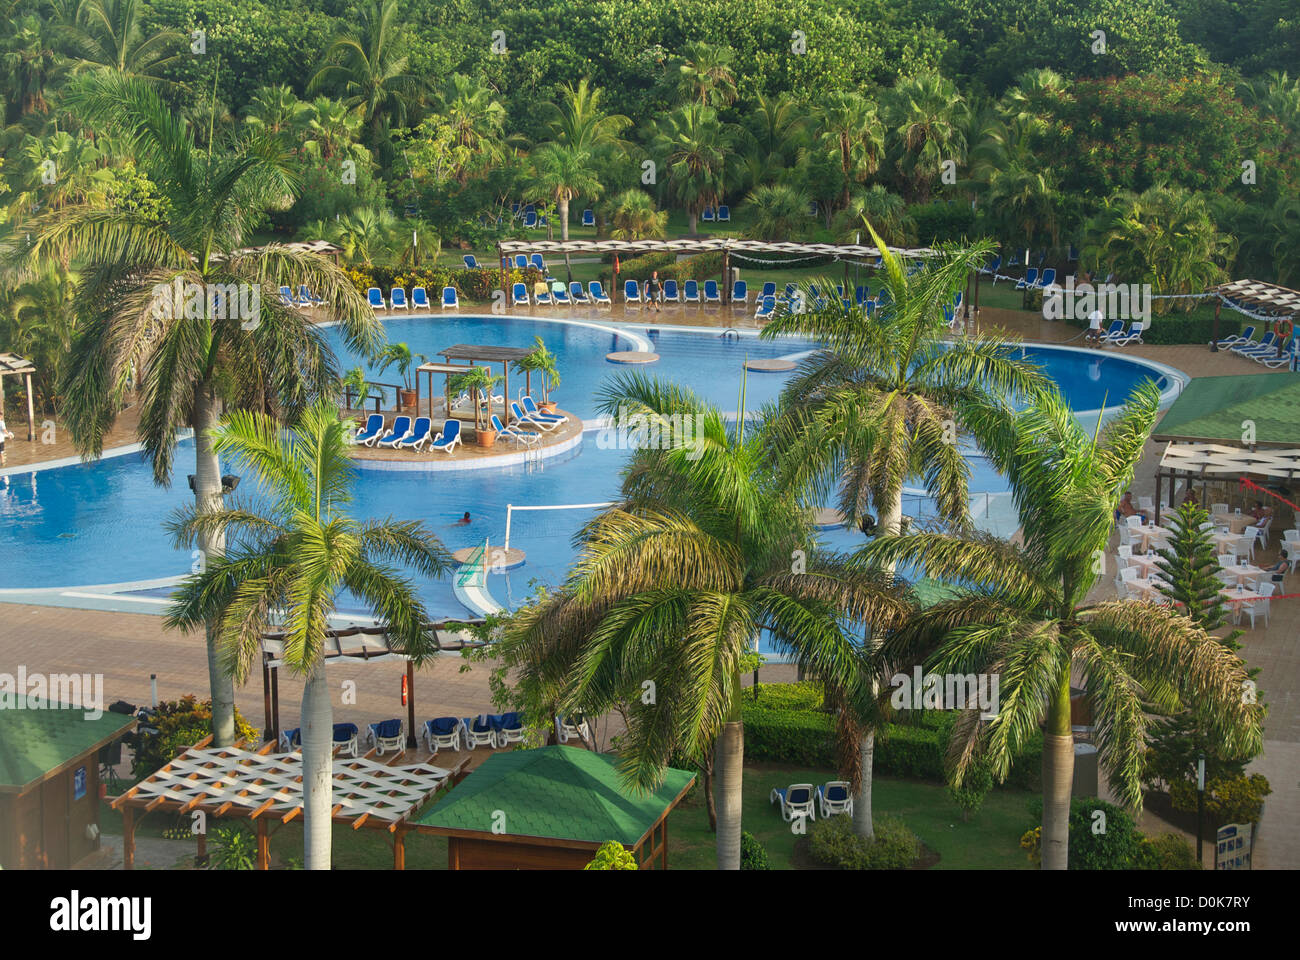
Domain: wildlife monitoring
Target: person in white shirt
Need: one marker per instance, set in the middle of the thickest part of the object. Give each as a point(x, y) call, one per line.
point(1094, 324)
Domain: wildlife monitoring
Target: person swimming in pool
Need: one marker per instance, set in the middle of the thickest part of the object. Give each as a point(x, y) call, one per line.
point(463, 521)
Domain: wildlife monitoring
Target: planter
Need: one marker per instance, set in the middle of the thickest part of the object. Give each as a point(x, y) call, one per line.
point(547, 405)
point(486, 437)
point(407, 398)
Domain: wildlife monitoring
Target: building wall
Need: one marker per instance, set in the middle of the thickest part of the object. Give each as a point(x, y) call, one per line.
point(467, 854)
point(45, 827)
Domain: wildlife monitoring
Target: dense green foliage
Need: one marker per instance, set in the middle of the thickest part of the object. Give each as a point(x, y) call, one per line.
point(752, 854)
point(179, 724)
point(833, 843)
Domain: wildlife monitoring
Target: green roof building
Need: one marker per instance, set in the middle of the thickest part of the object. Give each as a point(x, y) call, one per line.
point(551, 808)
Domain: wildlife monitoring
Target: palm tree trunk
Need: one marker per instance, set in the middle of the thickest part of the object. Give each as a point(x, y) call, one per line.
point(563, 206)
point(1058, 778)
point(729, 766)
point(207, 499)
point(710, 801)
point(317, 721)
point(693, 220)
point(863, 825)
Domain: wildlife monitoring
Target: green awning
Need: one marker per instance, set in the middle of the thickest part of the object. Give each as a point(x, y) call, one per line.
point(1213, 409)
point(36, 743)
point(558, 792)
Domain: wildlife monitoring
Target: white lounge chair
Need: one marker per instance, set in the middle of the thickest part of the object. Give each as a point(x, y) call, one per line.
point(835, 797)
point(388, 735)
point(443, 732)
point(796, 800)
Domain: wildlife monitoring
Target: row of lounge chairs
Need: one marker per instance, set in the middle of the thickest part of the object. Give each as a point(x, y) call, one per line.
point(804, 800)
point(1264, 350)
point(490, 730)
point(419, 299)
point(1117, 335)
point(405, 434)
point(302, 299)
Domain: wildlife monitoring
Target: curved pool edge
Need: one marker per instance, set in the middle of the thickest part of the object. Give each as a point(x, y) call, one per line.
point(1178, 380)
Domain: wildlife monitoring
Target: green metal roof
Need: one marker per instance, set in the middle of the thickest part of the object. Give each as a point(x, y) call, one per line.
point(33, 743)
point(1212, 409)
point(564, 793)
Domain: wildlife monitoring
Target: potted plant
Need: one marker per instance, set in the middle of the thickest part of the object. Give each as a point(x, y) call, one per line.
point(478, 383)
point(355, 384)
point(400, 356)
point(541, 361)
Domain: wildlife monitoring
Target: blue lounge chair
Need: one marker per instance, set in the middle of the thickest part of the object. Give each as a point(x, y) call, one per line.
point(691, 291)
point(769, 290)
point(287, 298)
point(1247, 334)
point(812, 208)
point(537, 413)
point(789, 290)
point(388, 735)
point(374, 427)
point(1132, 335)
point(724, 213)
point(711, 293)
point(345, 738)
point(401, 427)
point(672, 291)
point(470, 262)
point(449, 299)
point(870, 306)
point(707, 215)
point(537, 261)
point(576, 293)
point(1029, 280)
point(631, 291)
point(598, 293)
point(519, 295)
point(588, 218)
point(443, 732)
point(398, 299)
point(306, 298)
point(291, 740)
point(512, 432)
point(834, 797)
point(541, 297)
point(507, 263)
point(478, 732)
point(510, 729)
point(542, 221)
point(521, 261)
point(572, 727)
point(1267, 344)
point(514, 210)
point(740, 292)
point(1073, 255)
point(560, 295)
point(766, 308)
point(418, 436)
point(1113, 332)
point(796, 800)
point(448, 438)
point(376, 298)
point(1275, 361)
point(992, 267)
point(1048, 278)
point(530, 220)
point(537, 421)
point(420, 298)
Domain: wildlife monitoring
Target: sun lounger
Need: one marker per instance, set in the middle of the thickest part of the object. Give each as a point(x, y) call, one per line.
point(521, 261)
point(291, 740)
point(540, 421)
point(835, 797)
point(519, 295)
point(375, 296)
point(588, 218)
point(512, 432)
point(711, 293)
point(537, 261)
point(478, 732)
point(401, 427)
point(573, 727)
point(470, 262)
point(371, 432)
point(598, 293)
point(576, 293)
point(796, 800)
point(691, 291)
point(443, 732)
point(419, 298)
point(418, 436)
point(449, 299)
point(398, 299)
point(631, 291)
point(306, 298)
point(345, 738)
point(1247, 334)
point(509, 728)
point(724, 213)
point(672, 292)
point(388, 735)
point(560, 295)
point(449, 438)
point(766, 308)
point(1029, 281)
point(287, 298)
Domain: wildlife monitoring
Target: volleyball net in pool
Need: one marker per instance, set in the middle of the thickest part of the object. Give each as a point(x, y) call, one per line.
point(545, 520)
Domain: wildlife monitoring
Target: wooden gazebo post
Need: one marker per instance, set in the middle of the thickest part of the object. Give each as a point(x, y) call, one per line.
point(1214, 337)
point(726, 276)
point(410, 705)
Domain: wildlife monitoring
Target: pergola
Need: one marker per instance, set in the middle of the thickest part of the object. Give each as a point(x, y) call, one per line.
point(447, 371)
point(472, 354)
point(1269, 301)
point(322, 247)
point(12, 364)
point(358, 645)
point(727, 246)
point(260, 786)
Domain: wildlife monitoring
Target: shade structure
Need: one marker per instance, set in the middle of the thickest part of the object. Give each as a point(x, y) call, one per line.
point(1260, 411)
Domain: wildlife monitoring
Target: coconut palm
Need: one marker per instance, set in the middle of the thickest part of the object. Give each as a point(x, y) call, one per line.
point(577, 120)
point(674, 584)
point(927, 118)
point(774, 130)
point(110, 34)
point(1020, 614)
point(848, 126)
point(291, 556)
point(474, 120)
point(632, 216)
point(561, 172)
point(695, 146)
point(883, 402)
point(190, 357)
point(885, 211)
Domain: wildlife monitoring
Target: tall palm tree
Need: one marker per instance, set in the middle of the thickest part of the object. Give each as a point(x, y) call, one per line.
point(632, 216)
point(1020, 614)
point(476, 121)
point(773, 132)
point(704, 75)
point(276, 110)
point(368, 66)
point(577, 120)
point(110, 34)
point(695, 146)
point(289, 560)
point(927, 117)
point(561, 172)
point(674, 584)
point(885, 211)
point(191, 360)
point(849, 127)
point(884, 401)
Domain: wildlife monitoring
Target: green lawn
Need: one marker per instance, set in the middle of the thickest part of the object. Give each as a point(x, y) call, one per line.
point(990, 841)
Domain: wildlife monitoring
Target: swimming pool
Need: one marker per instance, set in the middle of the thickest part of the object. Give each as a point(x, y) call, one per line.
point(100, 523)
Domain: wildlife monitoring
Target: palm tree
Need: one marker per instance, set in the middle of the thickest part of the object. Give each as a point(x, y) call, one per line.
point(1020, 614)
point(885, 211)
point(191, 359)
point(364, 233)
point(561, 172)
point(927, 117)
point(778, 212)
point(632, 216)
point(290, 558)
point(848, 126)
point(32, 64)
point(705, 76)
point(773, 132)
point(38, 319)
point(475, 120)
point(276, 110)
point(883, 402)
point(674, 584)
point(110, 34)
point(579, 121)
point(370, 69)
point(695, 146)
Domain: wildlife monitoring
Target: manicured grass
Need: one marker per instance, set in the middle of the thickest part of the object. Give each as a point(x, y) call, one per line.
point(990, 841)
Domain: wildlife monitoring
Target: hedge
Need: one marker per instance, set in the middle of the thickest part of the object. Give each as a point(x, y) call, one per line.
point(477, 285)
point(788, 725)
point(703, 266)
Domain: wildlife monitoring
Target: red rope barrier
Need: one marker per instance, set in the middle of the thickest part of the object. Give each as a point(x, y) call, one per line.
point(1248, 484)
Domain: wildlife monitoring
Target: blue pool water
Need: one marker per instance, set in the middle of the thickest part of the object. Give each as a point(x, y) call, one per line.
point(100, 523)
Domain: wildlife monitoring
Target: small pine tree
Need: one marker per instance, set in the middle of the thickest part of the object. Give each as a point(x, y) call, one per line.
point(1190, 566)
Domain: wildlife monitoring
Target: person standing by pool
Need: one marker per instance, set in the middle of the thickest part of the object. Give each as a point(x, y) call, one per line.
point(4, 435)
point(654, 291)
point(1094, 324)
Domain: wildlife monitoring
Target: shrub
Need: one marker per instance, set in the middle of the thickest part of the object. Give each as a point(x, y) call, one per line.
point(894, 847)
point(233, 848)
point(612, 855)
point(180, 724)
point(975, 787)
point(1114, 846)
point(1227, 799)
point(478, 284)
point(1169, 851)
point(752, 854)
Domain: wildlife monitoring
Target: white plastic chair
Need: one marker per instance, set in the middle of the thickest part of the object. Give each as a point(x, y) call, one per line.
point(797, 800)
point(1255, 608)
point(1218, 508)
point(1134, 521)
point(1147, 504)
